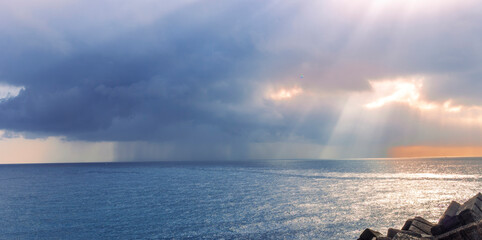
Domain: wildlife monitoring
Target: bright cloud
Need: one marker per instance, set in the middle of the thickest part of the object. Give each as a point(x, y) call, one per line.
point(146, 73)
point(285, 93)
point(409, 91)
point(8, 91)
point(406, 91)
point(399, 91)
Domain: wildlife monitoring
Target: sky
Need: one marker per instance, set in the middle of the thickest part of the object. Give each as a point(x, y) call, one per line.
point(232, 80)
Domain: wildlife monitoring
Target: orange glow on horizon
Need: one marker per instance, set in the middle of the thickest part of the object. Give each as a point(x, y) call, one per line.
point(435, 151)
point(14, 150)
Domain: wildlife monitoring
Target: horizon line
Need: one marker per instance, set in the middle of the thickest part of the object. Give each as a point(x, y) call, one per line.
point(247, 160)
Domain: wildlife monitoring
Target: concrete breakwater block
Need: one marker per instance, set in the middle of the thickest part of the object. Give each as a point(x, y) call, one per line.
point(392, 232)
point(448, 224)
point(422, 226)
point(462, 222)
point(471, 231)
point(451, 211)
point(369, 234)
point(405, 236)
point(407, 224)
point(449, 219)
point(471, 210)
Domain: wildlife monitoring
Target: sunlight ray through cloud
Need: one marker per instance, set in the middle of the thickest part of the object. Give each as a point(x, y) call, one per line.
point(257, 72)
point(365, 117)
point(399, 91)
point(409, 91)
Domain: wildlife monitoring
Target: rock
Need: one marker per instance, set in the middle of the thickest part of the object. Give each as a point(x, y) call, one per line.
point(471, 231)
point(451, 212)
point(450, 236)
point(449, 219)
point(459, 222)
point(456, 215)
point(438, 229)
point(407, 224)
point(369, 234)
point(471, 210)
point(392, 232)
point(404, 236)
point(427, 237)
point(421, 226)
point(469, 216)
point(449, 223)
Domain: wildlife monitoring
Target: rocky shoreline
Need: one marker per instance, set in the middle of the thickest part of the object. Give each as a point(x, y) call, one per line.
point(459, 222)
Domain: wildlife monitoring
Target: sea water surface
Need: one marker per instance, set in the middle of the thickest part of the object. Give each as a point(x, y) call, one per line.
point(282, 199)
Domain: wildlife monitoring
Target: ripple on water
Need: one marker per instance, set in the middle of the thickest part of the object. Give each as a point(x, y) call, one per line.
point(291, 200)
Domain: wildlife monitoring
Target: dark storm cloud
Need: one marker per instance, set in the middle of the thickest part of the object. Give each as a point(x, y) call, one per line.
point(187, 71)
point(176, 78)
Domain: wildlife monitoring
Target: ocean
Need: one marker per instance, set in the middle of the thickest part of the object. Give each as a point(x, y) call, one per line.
point(275, 199)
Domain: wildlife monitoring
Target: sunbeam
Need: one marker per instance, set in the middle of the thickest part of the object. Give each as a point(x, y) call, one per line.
point(409, 91)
